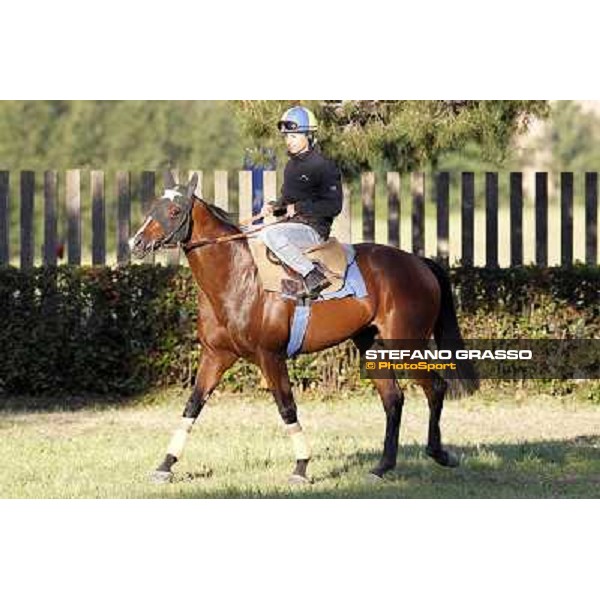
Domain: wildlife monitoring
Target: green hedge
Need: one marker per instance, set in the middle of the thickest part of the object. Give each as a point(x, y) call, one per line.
point(95, 330)
point(120, 331)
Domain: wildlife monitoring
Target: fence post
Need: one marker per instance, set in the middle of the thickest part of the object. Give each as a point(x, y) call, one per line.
point(541, 219)
point(418, 213)
point(367, 186)
point(50, 217)
point(4, 218)
point(342, 224)
point(73, 199)
point(123, 216)
point(27, 207)
point(442, 191)
point(491, 219)
point(98, 218)
point(245, 195)
point(222, 189)
point(591, 218)
point(147, 190)
point(393, 187)
point(516, 219)
point(467, 218)
point(268, 193)
point(269, 186)
point(566, 218)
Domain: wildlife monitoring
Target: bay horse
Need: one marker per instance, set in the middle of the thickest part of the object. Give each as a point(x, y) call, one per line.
point(409, 298)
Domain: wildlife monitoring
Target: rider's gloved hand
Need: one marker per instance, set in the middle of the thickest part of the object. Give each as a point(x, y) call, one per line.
point(267, 209)
point(275, 208)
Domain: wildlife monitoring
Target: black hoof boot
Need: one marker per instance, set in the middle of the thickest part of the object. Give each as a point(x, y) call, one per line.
point(298, 477)
point(163, 473)
point(443, 457)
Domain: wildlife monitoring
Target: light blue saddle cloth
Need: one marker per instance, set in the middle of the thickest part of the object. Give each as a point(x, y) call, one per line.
point(354, 286)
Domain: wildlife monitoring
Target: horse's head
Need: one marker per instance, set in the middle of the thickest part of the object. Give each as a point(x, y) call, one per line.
point(169, 220)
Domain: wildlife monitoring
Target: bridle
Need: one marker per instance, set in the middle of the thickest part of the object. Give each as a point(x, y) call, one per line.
point(183, 226)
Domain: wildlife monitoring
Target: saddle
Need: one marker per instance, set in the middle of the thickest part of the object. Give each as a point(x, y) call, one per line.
point(336, 260)
point(331, 257)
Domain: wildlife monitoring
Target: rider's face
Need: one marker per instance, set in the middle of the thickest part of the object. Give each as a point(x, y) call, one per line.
point(296, 142)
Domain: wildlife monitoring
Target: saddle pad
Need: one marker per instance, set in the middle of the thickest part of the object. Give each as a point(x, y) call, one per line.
point(354, 285)
point(331, 255)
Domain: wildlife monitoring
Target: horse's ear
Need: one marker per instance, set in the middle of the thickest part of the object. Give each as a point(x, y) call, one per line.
point(191, 187)
point(169, 180)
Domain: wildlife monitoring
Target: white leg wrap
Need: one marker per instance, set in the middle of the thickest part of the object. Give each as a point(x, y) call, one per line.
point(301, 447)
point(179, 437)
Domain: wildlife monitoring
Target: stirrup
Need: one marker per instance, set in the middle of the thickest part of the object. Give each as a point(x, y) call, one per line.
point(317, 285)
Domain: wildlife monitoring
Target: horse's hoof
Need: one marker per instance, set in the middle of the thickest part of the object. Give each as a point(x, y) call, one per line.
point(296, 479)
point(444, 458)
point(161, 477)
point(373, 478)
point(452, 460)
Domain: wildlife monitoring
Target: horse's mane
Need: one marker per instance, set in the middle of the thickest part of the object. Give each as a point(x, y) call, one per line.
point(220, 214)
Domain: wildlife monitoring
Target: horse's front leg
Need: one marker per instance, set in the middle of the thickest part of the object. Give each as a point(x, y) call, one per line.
point(210, 370)
point(274, 369)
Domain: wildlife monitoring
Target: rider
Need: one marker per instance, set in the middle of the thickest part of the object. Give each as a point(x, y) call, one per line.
point(311, 194)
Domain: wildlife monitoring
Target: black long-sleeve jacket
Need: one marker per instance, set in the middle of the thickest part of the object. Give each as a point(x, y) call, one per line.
point(313, 184)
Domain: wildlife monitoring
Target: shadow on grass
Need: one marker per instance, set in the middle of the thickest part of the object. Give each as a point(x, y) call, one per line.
point(545, 469)
point(71, 402)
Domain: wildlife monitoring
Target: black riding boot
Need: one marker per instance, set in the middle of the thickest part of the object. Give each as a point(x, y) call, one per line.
point(315, 283)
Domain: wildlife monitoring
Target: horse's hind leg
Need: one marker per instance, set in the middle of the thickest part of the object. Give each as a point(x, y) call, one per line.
point(435, 389)
point(392, 398)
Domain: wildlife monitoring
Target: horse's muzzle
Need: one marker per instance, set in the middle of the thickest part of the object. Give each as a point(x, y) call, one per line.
point(138, 247)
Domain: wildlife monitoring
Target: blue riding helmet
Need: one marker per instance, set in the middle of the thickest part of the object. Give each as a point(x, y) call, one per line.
point(298, 120)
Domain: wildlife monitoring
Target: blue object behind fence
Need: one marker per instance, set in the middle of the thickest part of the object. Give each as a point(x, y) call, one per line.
point(265, 161)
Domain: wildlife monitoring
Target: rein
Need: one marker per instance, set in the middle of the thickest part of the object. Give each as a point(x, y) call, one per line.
point(189, 246)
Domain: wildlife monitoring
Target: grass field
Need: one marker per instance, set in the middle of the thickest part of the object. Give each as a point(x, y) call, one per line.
point(511, 446)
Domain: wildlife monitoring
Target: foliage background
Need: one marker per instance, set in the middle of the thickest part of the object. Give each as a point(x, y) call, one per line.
point(121, 134)
point(401, 135)
point(404, 135)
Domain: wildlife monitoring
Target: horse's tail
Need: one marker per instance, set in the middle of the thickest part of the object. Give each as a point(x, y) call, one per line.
point(446, 332)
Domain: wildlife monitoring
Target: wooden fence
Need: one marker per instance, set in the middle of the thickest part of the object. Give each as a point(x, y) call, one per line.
point(368, 211)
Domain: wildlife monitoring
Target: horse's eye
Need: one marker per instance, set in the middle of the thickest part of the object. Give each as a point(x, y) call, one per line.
point(174, 211)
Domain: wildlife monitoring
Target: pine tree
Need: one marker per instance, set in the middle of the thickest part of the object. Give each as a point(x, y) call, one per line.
point(401, 135)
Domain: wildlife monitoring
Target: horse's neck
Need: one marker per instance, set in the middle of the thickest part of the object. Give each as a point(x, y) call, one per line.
point(224, 271)
point(206, 225)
